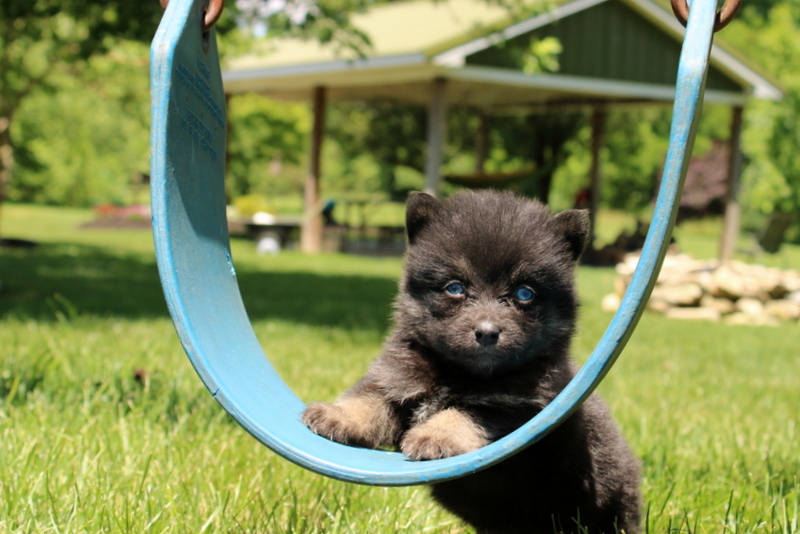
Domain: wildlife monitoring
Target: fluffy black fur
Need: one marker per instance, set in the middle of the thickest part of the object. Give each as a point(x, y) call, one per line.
point(483, 324)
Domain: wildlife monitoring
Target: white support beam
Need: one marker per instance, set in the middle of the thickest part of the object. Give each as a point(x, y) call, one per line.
point(437, 134)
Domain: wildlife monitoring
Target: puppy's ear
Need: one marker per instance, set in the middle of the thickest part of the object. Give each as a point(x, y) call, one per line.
point(420, 209)
point(574, 226)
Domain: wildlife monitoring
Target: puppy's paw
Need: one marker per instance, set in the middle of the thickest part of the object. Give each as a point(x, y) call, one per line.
point(360, 421)
point(329, 421)
point(425, 444)
point(448, 433)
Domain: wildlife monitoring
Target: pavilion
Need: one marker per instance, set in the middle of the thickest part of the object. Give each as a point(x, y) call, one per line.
point(467, 53)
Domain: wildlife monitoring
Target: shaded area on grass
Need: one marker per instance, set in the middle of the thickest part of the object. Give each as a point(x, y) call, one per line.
point(103, 421)
point(75, 280)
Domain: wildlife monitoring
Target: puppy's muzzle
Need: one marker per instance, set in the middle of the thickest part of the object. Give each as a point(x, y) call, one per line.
point(487, 334)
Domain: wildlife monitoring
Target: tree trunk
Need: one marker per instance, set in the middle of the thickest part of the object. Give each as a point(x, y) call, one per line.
point(6, 158)
point(545, 183)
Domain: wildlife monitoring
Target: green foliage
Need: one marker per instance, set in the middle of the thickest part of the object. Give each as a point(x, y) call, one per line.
point(771, 134)
point(771, 178)
point(635, 143)
point(541, 139)
point(36, 35)
point(325, 21)
point(382, 145)
point(634, 151)
point(354, 175)
point(40, 38)
point(89, 134)
point(395, 137)
point(268, 142)
point(542, 56)
point(393, 134)
point(74, 97)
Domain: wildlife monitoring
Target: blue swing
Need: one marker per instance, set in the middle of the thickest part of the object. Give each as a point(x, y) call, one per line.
point(199, 279)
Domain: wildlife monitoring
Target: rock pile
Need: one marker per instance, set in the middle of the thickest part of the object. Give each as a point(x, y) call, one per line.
point(735, 292)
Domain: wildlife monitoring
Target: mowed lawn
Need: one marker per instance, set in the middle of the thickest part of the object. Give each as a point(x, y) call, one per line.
point(105, 427)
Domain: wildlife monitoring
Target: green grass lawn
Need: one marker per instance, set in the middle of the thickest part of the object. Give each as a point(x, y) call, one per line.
point(105, 427)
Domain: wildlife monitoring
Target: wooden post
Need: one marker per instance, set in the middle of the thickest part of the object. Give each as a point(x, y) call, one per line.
point(437, 133)
point(311, 230)
point(598, 125)
point(733, 210)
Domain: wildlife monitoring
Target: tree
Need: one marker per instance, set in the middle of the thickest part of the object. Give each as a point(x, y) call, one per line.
point(87, 135)
point(635, 145)
point(265, 136)
point(393, 134)
point(37, 36)
point(542, 140)
point(326, 21)
point(771, 177)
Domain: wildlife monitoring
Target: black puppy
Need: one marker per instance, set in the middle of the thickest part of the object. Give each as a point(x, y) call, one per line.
point(482, 329)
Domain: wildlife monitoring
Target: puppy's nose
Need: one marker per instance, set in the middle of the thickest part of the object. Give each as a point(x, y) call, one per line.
point(487, 333)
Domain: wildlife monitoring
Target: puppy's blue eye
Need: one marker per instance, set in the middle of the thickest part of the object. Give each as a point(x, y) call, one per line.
point(455, 289)
point(523, 294)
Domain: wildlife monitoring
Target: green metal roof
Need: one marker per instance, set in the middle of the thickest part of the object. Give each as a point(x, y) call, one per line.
point(608, 40)
point(613, 50)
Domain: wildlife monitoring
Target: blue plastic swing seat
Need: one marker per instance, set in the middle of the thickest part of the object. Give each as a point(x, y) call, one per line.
point(199, 280)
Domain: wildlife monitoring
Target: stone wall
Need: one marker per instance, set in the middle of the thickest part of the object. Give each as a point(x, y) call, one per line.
point(735, 292)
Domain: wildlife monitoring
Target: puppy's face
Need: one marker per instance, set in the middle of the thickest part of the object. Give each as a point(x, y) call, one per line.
point(489, 279)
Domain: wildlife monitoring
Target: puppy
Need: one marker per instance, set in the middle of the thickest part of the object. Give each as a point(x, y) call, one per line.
point(482, 329)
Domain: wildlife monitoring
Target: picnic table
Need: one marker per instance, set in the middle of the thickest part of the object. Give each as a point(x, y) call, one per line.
point(266, 228)
point(272, 233)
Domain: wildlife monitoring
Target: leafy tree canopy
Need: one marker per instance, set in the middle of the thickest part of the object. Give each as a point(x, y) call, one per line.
point(38, 38)
point(771, 179)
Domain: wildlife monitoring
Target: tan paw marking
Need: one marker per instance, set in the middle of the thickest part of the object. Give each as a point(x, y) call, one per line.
point(355, 421)
point(448, 433)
